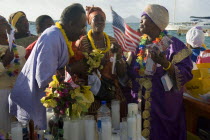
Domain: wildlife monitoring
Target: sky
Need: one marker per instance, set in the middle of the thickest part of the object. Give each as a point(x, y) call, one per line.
point(125, 8)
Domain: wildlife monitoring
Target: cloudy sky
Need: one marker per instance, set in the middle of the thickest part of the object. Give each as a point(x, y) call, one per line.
point(33, 8)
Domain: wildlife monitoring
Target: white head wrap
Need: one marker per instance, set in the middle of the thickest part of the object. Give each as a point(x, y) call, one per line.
point(195, 37)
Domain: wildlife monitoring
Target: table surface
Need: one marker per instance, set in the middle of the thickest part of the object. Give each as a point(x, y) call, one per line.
point(195, 108)
point(117, 137)
point(196, 103)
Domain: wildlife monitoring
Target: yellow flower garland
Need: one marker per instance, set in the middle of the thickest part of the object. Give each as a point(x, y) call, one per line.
point(68, 43)
point(93, 44)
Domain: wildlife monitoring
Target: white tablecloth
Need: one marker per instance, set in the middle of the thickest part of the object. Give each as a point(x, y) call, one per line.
point(117, 137)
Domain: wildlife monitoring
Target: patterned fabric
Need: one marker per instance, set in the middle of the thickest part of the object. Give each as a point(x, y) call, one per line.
point(84, 46)
point(9, 81)
point(167, 110)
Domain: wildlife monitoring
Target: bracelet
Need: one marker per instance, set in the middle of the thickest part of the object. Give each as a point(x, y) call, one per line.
point(169, 66)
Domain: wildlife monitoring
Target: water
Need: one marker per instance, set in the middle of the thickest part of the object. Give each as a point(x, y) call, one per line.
point(109, 31)
point(103, 111)
point(103, 114)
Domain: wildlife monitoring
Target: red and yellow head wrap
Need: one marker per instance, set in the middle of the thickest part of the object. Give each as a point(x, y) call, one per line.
point(92, 11)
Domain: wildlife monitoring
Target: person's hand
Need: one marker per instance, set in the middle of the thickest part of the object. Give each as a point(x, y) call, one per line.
point(159, 57)
point(79, 68)
point(8, 57)
point(116, 48)
point(60, 73)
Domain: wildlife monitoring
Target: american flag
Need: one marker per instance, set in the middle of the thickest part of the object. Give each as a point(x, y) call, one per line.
point(124, 34)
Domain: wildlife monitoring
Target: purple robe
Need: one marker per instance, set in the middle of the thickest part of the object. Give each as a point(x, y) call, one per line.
point(167, 110)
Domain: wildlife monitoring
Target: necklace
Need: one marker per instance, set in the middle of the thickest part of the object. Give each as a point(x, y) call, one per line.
point(141, 57)
point(145, 81)
point(93, 44)
point(13, 71)
point(68, 43)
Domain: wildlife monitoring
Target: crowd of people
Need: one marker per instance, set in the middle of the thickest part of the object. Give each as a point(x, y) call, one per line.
point(23, 83)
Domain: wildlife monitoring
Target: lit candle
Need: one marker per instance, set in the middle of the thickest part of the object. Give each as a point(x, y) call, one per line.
point(115, 114)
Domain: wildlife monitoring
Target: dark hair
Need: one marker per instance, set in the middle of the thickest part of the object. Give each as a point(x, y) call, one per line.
point(72, 13)
point(39, 22)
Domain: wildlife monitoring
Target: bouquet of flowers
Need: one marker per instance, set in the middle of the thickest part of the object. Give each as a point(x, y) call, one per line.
point(65, 99)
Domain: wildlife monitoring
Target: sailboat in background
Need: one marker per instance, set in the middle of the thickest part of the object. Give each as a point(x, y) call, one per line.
point(183, 27)
point(203, 22)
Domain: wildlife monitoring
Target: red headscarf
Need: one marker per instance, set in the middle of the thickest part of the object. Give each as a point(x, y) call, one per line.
point(92, 11)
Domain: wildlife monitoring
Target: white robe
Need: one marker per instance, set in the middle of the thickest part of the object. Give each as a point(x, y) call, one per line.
point(49, 54)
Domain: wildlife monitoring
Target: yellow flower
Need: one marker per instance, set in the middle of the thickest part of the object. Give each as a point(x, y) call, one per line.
point(144, 36)
point(48, 102)
point(54, 83)
point(108, 43)
point(88, 94)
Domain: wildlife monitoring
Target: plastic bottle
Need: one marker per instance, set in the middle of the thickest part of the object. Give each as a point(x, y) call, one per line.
point(103, 113)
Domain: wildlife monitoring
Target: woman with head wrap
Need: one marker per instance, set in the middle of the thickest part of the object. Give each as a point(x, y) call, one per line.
point(195, 41)
point(105, 85)
point(11, 63)
point(160, 61)
point(20, 22)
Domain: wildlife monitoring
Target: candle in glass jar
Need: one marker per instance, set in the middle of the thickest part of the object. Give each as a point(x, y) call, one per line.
point(138, 126)
point(90, 129)
point(115, 105)
point(131, 128)
point(132, 109)
point(106, 133)
point(74, 130)
point(16, 131)
point(66, 125)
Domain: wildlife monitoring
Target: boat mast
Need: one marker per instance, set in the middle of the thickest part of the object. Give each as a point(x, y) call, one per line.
point(174, 10)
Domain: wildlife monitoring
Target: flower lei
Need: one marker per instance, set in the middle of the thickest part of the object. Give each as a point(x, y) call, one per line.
point(68, 43)
point(93, 44)
point(145, 81)
point(13, 71)
point(141, 57)
point(94, 60)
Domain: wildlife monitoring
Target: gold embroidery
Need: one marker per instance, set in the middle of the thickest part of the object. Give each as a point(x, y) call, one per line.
point(146, 133)
point(184, 53)
point(181, 55)
point(147, 105)
point(147, 95)
point(146, 114)
point(146, 123)
point(178, 77)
